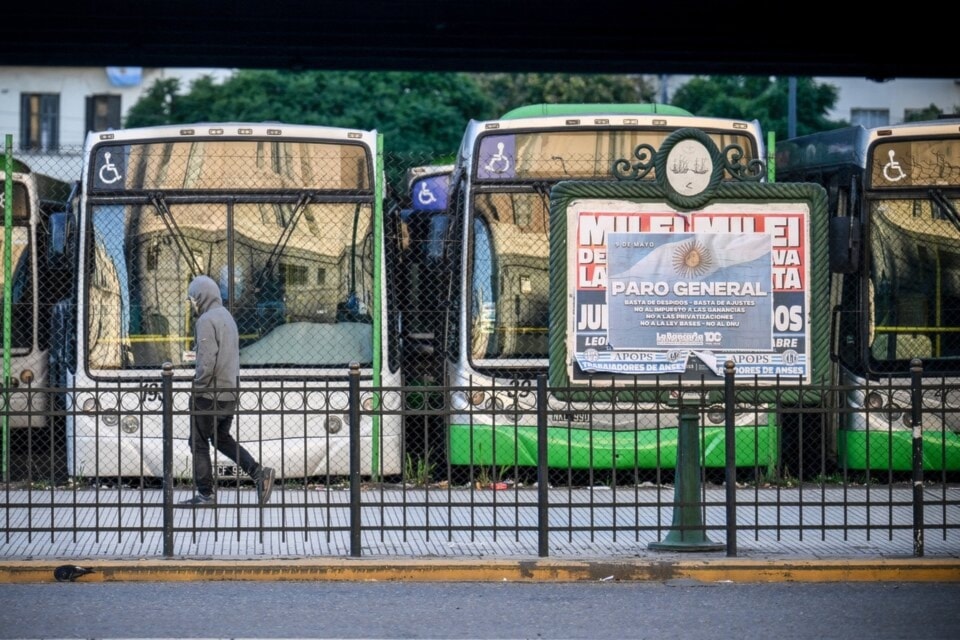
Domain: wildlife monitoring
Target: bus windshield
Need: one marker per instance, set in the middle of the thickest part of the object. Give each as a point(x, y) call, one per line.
point(510, 275)
point(21, 276)
point(285, 227)
point(299, 283)
point(21, 288)
point(914, 278)
point(510, 205)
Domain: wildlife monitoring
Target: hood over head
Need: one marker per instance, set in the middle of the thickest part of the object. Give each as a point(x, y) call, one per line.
point(205, 294)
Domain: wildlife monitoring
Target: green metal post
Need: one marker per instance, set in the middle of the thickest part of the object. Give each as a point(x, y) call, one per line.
point(916, 423)
point(7, 295)
point(687, 533)
point(379, 183)
point(771, 157)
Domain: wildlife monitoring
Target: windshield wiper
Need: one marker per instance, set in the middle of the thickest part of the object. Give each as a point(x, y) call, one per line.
point(284, 238)
point(350, 309)
point(161, 206)
point(950, 212)
point(542, 189)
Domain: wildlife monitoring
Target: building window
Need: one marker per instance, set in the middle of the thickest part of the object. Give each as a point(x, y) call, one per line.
point(869, 118)
point(103, 113)
point(39, 121)
point(294, 274)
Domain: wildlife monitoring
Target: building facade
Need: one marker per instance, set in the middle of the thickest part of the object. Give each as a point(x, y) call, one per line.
point(875, 104)
point(49, 110)
point(865, 102)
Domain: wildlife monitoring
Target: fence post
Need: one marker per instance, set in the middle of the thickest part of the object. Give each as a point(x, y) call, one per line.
point(916, 422)
point(7, 301)
point(543, 494)
point(730, 438)
point(166, 395)
point(354, 395)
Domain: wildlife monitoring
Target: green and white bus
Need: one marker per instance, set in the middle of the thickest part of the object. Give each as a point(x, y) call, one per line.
point(288, 219)
point(496, 341)
point(893, 197)
point(35, 285)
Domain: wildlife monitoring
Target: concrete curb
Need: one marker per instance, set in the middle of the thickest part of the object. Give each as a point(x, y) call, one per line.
point(493, 570)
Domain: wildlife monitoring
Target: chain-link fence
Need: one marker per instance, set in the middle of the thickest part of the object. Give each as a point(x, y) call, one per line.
point(450, 403)
point(301, 269)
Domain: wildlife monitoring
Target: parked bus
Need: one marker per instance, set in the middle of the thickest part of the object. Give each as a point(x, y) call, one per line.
point(495, 340)
point(422, 219)
point(893, 195)
point(288, 220)
point(417, 225)
point(34, 287)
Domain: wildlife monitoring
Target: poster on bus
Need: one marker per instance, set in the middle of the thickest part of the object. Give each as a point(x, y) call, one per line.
point(654, 291)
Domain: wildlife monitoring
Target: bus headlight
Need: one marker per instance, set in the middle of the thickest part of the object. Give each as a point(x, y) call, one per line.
point(333, 424)
point(26, 376)
point(893, 411)
point(89, 405)
point(476, 398)
point(129, 424)
point(874, 401)
point(716, 414)
point(367, 403)
point(110, 419)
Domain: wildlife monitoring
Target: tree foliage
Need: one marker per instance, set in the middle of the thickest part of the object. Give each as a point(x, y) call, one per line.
point(415, 111)
point(761, 98)
point(932, 112)
point(426, 113)
point(511, 90)
point(155, 106)
point(420, 113)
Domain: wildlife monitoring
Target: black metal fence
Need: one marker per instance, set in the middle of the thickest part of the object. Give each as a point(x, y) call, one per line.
point(524, 466)
point(682, 505)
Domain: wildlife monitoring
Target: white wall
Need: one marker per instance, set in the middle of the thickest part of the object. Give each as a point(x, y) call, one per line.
point(74, 84)
point(897, 95)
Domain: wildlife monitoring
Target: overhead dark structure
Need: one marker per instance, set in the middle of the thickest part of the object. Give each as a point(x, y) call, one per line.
point(497, 35)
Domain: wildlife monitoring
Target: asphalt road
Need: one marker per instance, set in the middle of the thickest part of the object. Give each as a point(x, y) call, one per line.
point(654, 610)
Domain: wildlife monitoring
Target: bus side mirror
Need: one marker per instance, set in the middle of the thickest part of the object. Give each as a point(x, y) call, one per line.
point(844, 236)
point(438, 238)
point(61, 241)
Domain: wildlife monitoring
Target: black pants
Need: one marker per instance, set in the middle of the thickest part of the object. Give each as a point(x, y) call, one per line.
point(215, 428)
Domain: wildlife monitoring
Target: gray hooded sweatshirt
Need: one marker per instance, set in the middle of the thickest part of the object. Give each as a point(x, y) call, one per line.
point(217, 341)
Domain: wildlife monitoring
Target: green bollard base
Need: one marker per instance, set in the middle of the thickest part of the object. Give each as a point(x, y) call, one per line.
point(695, 541)
point(687, 533)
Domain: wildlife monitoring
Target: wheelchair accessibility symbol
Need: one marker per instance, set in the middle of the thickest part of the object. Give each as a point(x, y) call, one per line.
point(425, 196)
point(499, 162)
point(892, 170)
point(108, 172)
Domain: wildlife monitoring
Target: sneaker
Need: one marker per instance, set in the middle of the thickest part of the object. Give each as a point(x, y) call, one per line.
point(264, 481)
point(201, 500)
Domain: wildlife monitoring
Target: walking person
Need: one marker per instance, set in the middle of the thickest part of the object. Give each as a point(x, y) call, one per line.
point(214, 394)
